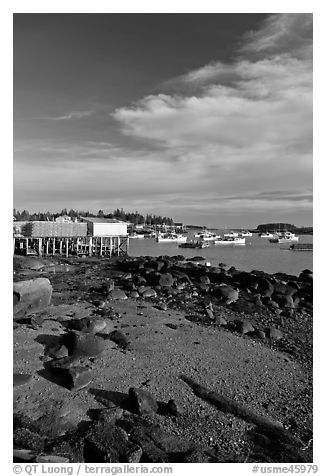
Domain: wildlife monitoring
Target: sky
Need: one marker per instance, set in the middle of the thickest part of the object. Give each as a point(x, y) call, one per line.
point(205, 118)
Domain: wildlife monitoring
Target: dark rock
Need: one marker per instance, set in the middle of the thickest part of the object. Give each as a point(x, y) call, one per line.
point(274, 333)
point(171, 326)
point(149, 293)
point(162, 306)
point(199, 456)
point(142, 402)
point(134, 295)
point(260, 334)
point(227, 293)
point(204, 279)
point(171, 408)
point(133, 455)
point(57, 351)
point(284, 300)
point(244, 327)
point(31, 296)
point(78, 377)
point(157, 446)
point(63, 363)
point(119, 338)
point(106, 443)
point(83, 344)
point(220, 321)
point(86, 324)
point(117, 294)
point(166, 280)
point(25, 438)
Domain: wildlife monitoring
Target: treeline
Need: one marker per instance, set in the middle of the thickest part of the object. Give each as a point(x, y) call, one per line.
point(133, 217)
point(284, 227)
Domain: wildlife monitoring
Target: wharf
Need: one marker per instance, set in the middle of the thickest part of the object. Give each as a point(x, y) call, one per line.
point(76, 245)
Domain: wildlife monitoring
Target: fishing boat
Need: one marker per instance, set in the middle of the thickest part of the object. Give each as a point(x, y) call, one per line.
point(136, 235)
point(231, 234)
point(170, 238)
point(195, 244)
point(284, 238)
point(266, 234)
point(207, 236)
point(227, 240)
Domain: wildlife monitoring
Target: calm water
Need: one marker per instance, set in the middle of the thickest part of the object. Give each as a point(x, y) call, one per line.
point(258, 253)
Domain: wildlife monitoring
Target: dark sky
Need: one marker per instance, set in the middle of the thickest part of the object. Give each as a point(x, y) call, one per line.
point(145, 111)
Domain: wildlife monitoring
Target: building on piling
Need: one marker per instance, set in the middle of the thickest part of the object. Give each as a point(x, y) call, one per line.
point(90, 236)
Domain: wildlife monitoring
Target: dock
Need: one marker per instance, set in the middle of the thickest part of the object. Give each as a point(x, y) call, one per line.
point(72, 246)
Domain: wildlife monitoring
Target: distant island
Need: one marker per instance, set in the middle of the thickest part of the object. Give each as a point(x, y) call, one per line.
point(272, 227)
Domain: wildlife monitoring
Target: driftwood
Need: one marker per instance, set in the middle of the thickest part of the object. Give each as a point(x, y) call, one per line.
point(272, 427)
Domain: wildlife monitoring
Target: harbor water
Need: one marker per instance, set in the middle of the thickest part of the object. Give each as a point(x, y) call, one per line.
point(258, 253)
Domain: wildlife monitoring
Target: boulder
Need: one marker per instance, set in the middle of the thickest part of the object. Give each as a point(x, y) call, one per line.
point(106, 443)
point(166, 280)
point(284, 300)
point(78, 377)
point(274, 333)
point(227, 293)
point(117, 294)
point(119, 338)
point(149, 293)
point(244, 327)
point(83, 344)
point(87, 324)
point(31, 296)
point(142, 402)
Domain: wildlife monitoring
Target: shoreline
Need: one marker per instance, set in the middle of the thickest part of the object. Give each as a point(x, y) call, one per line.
point(250, 341)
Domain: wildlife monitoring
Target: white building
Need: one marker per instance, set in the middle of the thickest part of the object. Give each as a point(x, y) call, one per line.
point(105, 226)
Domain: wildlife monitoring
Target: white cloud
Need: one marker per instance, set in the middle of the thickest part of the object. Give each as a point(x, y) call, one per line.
point(247, 124)
point(72, 115)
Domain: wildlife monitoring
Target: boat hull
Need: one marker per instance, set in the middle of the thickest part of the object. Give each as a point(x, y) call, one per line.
point(239, 241)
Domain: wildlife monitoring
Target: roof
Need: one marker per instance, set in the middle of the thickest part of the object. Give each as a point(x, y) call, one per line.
point(102, 220)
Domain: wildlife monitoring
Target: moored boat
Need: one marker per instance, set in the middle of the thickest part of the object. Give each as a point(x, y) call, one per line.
point(231, 234)
point(284, 238)
point(266, 234)
point(137, 235)
point(194, 244)
point(171, 238)
point(226, 240)
point(207, 236)
point(245, 233)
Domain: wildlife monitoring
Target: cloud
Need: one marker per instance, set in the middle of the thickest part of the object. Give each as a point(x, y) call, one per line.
point(243, 125)
point(287, 33)
point(72, 115)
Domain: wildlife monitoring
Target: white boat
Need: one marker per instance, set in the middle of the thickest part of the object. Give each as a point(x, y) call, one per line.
point(137, 235)
point(207, 236)
point(284, 238)
point(229, 240)
point(171, 238)
point(232, 234)
point(245, 233)
point(266, 234)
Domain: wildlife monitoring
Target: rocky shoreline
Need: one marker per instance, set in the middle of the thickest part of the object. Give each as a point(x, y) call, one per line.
point(160, 360)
